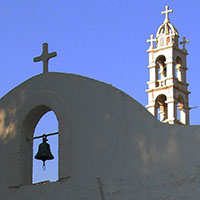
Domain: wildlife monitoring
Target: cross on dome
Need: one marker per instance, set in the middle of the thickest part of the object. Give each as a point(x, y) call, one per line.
point(151, 40)
point(166, 12)
point(184, 42)
point(44, 57)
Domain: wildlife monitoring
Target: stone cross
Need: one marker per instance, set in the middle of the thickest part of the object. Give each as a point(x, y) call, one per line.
point(151, 40)
point(44, 57)
point(166, 12)
point(184, 42)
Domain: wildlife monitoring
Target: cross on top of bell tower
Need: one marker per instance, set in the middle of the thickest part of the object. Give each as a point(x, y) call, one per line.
point(166, 12)
point(151, 40)
point(184, 42)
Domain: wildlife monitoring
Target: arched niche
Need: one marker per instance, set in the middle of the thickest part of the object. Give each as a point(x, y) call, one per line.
point(161, 70)
point(32, 110)
point(161, 111)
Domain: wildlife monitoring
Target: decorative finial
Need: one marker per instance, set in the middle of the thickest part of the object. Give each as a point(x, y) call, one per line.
point(184, 42)
point(151, 40)
point(166, 12)
point(44, 57)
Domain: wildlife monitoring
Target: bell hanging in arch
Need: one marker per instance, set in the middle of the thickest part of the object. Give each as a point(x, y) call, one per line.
point(44, 152)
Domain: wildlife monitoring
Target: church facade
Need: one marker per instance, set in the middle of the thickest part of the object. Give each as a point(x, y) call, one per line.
point(168, 95)
point(110, 147)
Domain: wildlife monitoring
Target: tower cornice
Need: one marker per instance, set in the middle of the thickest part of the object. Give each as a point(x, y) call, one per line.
point(157, 49)
point(162, 88)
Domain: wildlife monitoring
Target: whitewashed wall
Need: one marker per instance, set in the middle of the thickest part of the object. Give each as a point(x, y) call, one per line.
point(105, 133)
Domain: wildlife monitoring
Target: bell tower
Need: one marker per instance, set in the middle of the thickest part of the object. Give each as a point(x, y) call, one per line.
point(167, 87)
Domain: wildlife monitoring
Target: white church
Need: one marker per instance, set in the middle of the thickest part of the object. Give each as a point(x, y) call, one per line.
point(110, 146)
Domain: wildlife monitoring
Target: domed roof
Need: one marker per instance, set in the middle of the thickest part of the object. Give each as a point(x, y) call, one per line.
point(166, 28)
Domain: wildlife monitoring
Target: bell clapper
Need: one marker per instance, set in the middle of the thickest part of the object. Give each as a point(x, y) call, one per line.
point(44, 167)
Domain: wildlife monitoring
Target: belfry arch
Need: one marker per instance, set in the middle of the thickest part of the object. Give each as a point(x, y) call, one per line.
point(28, 129)
point(178, 66)
point(35, 109)
point(161, 70)
point(48, 124)
point(180, 110)
point(161, 108)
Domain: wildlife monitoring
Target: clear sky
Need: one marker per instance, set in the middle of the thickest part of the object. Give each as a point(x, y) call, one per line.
point(100, 39)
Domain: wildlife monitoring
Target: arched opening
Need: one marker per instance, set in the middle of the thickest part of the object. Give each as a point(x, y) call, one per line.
point(178, 72)
point(180, 110)
point(161, 108)
point(29, 125)
point(158, 113)
point(178, 107)
point(161, 71)
point(47, 124)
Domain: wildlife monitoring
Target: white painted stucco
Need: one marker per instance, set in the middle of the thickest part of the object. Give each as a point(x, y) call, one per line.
point(103, 132)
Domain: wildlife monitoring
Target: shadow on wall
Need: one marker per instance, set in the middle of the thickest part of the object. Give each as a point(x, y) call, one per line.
point(155, 151)
point(8, 120)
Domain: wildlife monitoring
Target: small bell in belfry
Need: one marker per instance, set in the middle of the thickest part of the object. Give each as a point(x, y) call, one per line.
point(44, 152)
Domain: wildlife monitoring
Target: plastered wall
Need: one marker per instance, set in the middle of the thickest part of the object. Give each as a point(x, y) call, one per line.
point(103, 132)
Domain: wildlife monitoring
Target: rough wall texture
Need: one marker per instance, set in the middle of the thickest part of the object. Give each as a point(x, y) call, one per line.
point(103, 132)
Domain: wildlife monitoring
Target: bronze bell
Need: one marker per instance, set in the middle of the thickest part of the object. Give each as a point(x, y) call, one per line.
point(44, 152)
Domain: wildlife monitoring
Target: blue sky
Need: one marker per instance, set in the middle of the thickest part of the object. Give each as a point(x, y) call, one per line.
point(100, 39)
